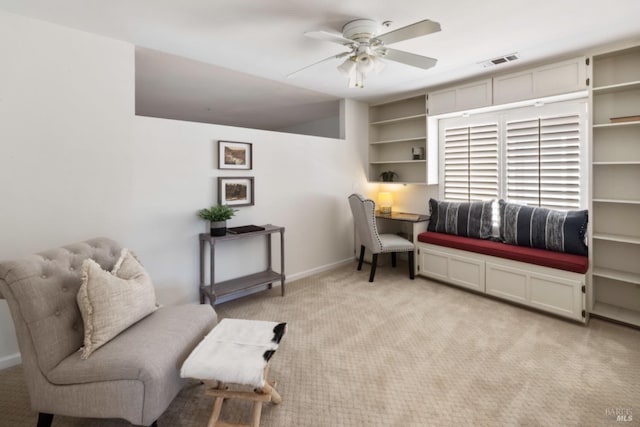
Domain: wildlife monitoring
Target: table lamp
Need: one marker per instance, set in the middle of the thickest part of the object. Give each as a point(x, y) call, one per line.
point(385, 201)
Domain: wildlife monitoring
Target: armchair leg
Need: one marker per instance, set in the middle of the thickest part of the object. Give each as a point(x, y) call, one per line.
point(361, 257)
point(412, 269)
point(374, 263)
point(44, 419)
point(393, 259)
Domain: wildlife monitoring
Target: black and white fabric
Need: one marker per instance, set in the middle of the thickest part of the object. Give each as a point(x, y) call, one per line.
point(467, 219)
point(554, 230)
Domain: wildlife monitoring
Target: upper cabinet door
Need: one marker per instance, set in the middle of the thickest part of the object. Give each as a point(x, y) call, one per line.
point(459, 98)
point(554, 79)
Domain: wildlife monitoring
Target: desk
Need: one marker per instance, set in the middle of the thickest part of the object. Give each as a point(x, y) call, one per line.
point(239, 284)
point(397, 222)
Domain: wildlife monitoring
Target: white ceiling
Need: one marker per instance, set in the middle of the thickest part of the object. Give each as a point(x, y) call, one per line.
point(264, 39)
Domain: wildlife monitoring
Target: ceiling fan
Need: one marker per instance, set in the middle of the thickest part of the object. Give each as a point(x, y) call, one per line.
point(368, 49)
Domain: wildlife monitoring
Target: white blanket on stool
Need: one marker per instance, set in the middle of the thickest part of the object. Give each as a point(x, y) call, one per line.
point(234, 352)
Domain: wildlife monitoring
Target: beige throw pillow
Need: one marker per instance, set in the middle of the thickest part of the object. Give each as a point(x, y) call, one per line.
point(111, 302)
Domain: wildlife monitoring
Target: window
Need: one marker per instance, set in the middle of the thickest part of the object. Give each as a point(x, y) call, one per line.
point(471, 162)
point(543, 162)
point(530, 155)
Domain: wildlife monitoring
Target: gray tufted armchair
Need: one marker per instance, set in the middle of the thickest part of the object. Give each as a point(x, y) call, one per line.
point(135, 376)
point(363, 211)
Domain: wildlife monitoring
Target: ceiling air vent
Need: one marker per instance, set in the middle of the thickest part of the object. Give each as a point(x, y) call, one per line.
point(500, 60)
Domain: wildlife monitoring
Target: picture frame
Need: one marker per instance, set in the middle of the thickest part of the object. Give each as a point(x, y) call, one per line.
point(235, 155)
point(236, 191)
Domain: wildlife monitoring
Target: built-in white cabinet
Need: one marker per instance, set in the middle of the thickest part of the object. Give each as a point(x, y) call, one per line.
point(615, 172)
point(464, 97)
point(552, 79)
point(548, 289)
point(398, 140)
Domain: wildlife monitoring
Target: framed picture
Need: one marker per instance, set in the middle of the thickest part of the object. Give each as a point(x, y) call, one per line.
point(235, 155)
point(236, 191)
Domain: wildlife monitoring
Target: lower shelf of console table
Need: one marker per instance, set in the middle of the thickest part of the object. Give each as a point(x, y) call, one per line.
point(239, 285)
point(548, 289)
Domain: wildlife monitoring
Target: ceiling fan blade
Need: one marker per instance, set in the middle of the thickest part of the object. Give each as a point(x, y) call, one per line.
point(338, 56)
point(330, 37)
point(418, 29)
point(412, 59)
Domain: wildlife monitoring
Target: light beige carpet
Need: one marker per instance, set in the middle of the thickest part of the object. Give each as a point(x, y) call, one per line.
point(412, 353)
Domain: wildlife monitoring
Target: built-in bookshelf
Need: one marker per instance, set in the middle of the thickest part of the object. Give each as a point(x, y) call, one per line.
point(395, 130)
point(615, 171)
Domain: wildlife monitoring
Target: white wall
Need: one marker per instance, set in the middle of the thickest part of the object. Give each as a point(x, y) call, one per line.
point(76, 163)
point(66, 102)
point(301, 183)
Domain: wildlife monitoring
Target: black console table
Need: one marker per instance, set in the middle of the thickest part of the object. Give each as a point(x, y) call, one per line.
point(243, 283)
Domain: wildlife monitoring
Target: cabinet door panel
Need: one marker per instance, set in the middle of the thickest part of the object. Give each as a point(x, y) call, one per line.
point(467, 272)
point(557, 295)
point(506, 283)
point(434, 264)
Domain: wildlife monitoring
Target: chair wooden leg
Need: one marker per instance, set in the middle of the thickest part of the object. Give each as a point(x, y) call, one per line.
point(44, 419)
point(361, 257)
point(374, 263)
point(412, 269)
point(393, 259)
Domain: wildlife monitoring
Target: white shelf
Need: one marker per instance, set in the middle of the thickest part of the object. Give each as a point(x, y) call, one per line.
point(619, 87)
point(397, 127)
point(617, 238)
point(397, 162)
point(393, 141)
point(615, 171)
point(612, 125)
point(621, 276)
point(616, 163)
point(617, 313)
point(399, 182)
point(399, 119)
point(621, 201)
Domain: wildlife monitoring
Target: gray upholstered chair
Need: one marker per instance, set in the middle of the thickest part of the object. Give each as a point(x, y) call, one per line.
point(363, 211)
point(135, 376)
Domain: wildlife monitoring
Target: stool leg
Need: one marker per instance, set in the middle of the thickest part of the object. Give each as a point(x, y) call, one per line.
point(256, 412)
point(215, 413)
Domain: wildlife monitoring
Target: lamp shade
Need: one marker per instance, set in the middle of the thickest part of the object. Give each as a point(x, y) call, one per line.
point(385, 201)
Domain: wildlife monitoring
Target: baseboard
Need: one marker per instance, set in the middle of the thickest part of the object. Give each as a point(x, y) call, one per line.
point(9, 361)
point(321, 269)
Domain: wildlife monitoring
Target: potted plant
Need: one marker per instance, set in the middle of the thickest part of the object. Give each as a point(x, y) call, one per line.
point(387, 176)
point(217, 217)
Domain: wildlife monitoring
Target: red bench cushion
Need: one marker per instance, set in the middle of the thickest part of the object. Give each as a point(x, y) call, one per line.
point(545, 258)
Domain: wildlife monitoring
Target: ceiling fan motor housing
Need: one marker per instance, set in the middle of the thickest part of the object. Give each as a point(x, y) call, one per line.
point(361, 30)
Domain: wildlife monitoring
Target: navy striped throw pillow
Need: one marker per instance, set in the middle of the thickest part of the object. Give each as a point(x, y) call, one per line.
point(554, 230)
point(467, 219)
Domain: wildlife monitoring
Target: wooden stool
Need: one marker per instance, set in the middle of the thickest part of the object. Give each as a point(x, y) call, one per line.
point(267, 393)
point(237, 352)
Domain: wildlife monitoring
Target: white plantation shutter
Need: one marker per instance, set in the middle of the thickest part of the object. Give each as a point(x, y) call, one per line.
point(543, 161)
point(528, 155)
point(471, 162)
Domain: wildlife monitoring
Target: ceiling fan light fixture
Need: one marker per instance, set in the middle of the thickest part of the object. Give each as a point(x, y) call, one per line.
point(365, 63)
point(347, 67)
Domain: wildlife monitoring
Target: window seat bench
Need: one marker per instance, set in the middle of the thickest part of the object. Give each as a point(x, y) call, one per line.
point(550, 281)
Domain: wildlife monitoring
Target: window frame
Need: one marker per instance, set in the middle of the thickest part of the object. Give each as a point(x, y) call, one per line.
point(578, 106)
